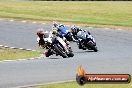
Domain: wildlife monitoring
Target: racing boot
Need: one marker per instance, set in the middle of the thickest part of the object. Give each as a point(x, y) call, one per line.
point(79, 45)
point(82, 46)
point(68, 45)
point(48, 53)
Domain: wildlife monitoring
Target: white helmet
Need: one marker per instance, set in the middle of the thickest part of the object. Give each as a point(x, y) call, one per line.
point(55, 23)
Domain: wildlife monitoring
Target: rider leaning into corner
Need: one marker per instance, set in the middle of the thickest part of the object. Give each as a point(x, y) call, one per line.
point(56, 25)
point(58, 31)
point(61, 29)
point(81, 36)
point(45, 40)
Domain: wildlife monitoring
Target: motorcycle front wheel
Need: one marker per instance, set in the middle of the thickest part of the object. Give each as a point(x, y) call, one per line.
point(91, 45)
point(60, 52)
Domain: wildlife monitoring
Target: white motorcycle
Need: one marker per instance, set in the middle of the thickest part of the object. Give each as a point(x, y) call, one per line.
point(59, 47)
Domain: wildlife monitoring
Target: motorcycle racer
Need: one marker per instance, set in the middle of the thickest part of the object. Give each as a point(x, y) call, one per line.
point(51, 41)
point(81, 36)
point(40, 39)
point(75, 30)
point(57, 25)
point(44, 40)
point(63, 31)
point(54, 32)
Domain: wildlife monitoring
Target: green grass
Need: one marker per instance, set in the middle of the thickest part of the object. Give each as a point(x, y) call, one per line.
point(75, 85)
point(110, 12)
point(13, 54)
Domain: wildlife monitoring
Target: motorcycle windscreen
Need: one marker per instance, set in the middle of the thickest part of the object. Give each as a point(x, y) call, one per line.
point(64, 30)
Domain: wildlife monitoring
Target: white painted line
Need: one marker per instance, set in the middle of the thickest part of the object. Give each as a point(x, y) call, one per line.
point(6, 60)
point(21, 48)
point(11, 20)
point(90, 27)
point(43, 23)
point(31, 58)
point(12, 47)
point(29, 49)
point(24, 21)
point(40, 84)
point(119, 29)
point(34, 50)
point(6, 46)
point(21, 59)
point(59, 82)
point(106, 28)
point(34, 22)
point(1, 45)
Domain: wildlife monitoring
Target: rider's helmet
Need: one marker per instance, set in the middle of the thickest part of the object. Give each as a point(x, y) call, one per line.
point(46, 34)
point(75, 29)
point(40, 32)
point(54, 31)
point(55, 23)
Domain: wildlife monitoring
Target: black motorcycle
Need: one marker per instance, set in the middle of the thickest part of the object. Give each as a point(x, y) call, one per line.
point(87, 44)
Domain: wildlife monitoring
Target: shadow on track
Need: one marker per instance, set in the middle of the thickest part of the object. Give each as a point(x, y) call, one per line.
point(90, 51)
point(84, 51)
point(57, 58)
point(53, 58)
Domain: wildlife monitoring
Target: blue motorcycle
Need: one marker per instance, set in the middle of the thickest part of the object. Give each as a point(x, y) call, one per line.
point(64, 31)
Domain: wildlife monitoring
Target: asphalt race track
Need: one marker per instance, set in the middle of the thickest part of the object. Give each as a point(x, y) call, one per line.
point(114, 56)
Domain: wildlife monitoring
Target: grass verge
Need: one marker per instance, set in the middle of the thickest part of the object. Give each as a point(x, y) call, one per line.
point(13, 54)
point(75, 85)
point(104, 13)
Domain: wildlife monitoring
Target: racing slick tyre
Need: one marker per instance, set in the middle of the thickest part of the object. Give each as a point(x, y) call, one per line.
point(60, 52)
point(70, 54)
point(93, 47)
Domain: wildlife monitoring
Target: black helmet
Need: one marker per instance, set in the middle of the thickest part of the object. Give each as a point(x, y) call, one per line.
point(75, 29)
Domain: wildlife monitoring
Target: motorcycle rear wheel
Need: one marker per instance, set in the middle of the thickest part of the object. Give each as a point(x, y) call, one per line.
point(91, 45)
point(70, 54)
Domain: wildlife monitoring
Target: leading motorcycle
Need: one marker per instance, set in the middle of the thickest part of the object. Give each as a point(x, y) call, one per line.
point(59, 47)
